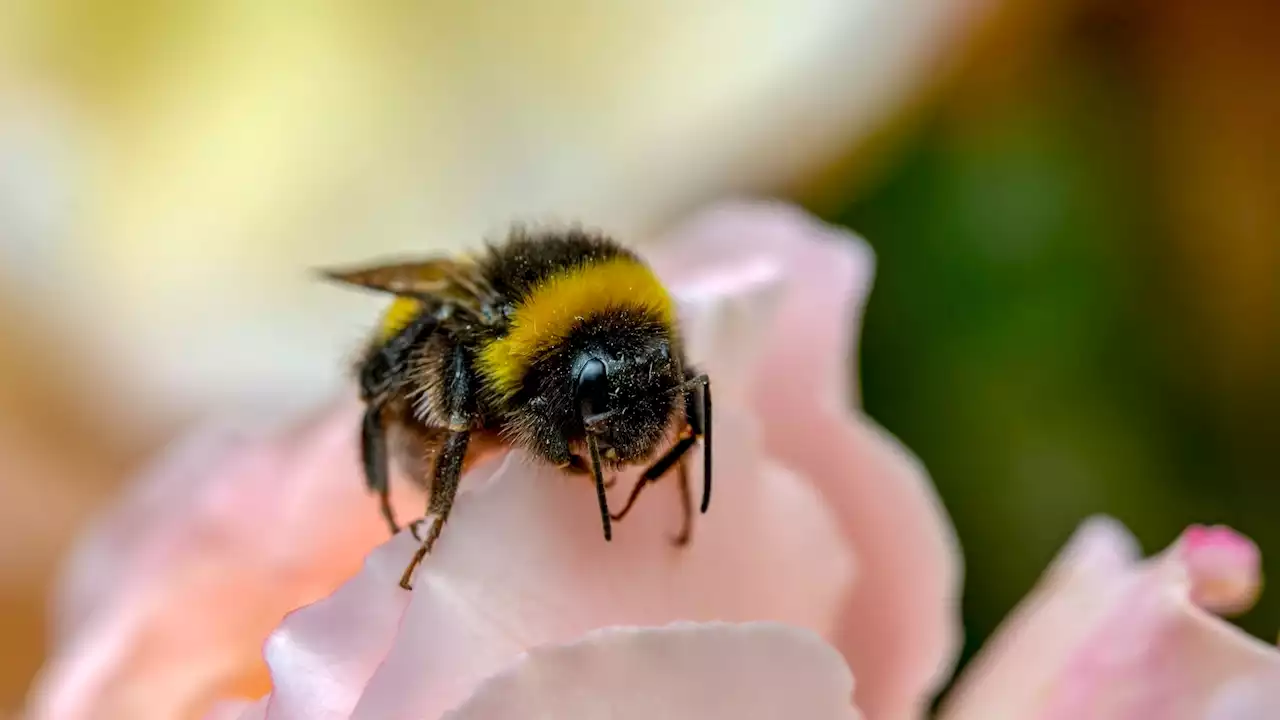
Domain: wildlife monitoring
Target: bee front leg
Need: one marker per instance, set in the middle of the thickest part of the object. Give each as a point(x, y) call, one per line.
point(415, 528)
point(697, 427)
point(578, 465)
point(675, 456)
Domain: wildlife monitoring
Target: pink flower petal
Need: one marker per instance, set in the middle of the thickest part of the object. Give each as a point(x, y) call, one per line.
point(1253, 697)
point(679, 672)
point(1224, 568)
point(238, 710)
point(319, 672)
point(169, 597)
point(533, 570)
point(901, 631)
point(1108, 636)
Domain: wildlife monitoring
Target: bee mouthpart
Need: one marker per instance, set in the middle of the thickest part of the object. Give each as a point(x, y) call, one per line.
point(595, 423)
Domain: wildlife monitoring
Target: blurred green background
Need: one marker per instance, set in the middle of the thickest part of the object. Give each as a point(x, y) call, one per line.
point(1055, 328)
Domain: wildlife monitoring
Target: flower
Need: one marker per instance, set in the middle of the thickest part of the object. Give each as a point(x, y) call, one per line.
point(822, 584)
point(1108, 636)
point(684, 670)
point(837, 531)
point(1105, 636)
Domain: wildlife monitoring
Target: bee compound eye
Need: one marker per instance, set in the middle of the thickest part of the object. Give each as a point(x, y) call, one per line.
point(593, 387)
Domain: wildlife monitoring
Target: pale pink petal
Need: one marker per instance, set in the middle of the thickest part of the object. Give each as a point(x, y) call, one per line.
point(1076, 591)
point(166, 604)
point(522, 564)
point(539, 573)
point(679, 672)
point(901, 630)
point(1106, 635)
point(1254, 697)
point(1224, 568)
point(318, 668)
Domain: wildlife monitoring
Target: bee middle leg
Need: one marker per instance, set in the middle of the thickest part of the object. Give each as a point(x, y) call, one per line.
point(675, 456)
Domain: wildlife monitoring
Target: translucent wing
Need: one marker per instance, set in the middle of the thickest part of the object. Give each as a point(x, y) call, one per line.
point(455, 280)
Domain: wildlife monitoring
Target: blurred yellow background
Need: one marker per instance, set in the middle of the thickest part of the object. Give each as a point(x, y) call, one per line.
point(1075, 205)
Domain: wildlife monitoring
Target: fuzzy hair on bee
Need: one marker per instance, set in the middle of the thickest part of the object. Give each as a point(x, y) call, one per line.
point(563, 343)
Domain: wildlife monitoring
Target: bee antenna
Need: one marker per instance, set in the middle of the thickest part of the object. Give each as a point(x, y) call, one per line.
point(594, 448)
point(706, 445)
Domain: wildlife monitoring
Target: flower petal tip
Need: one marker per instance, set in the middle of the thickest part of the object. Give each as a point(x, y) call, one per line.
point(1223, 566)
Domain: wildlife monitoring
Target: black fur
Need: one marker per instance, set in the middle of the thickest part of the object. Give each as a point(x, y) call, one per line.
point(515, 268)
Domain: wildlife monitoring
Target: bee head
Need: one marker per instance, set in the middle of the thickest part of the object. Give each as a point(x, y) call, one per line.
point(613, 382)
point(626, 401)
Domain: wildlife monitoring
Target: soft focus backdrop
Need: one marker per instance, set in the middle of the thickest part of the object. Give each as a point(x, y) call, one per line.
point(1075, 207)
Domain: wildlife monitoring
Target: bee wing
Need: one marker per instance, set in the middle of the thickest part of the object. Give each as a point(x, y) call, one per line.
point(455, 280)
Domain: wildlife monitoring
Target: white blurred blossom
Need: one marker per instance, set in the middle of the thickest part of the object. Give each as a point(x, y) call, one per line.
point(223, 149)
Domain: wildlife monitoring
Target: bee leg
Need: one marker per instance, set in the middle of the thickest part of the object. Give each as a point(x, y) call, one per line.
point(377, 379)
point(657, 470)
point(444, 489)
point(373, 454)
point(697, 426)
point(686, 505)
point(415, 529)
point(578, 466)
point(686, 501)
point(452, 455)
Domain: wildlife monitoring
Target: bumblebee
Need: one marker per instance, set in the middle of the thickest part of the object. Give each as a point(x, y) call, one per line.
point(562, 343)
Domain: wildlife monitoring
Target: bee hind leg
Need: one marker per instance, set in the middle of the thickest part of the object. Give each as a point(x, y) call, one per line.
point(377, 378)
point(373, 455)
